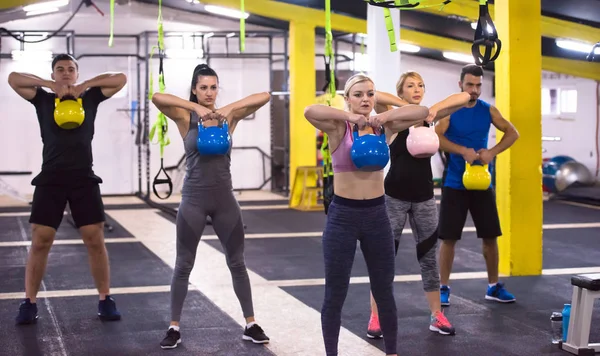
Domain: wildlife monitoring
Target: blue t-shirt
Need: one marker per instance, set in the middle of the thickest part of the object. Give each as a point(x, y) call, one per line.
point(469, 127)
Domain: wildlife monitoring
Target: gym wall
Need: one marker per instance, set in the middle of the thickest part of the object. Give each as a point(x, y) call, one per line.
point(566, 132)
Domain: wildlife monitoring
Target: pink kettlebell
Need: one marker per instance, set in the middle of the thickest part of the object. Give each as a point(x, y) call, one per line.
point(422, 142)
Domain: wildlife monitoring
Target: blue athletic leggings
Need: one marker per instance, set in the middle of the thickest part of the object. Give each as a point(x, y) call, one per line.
point(349, 221)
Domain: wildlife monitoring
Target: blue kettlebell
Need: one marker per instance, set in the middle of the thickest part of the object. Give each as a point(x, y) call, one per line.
point(213, 140)
point(369, 152)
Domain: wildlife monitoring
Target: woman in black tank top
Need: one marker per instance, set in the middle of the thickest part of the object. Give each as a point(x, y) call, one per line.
point(409, 194)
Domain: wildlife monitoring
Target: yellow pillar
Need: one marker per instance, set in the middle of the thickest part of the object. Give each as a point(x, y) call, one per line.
point(303, 136)
point(518, 97)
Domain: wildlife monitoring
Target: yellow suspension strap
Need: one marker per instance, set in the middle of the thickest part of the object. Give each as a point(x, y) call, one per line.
point(242, 28)
point(486, 36)
point(402, 5)
point(160, 128)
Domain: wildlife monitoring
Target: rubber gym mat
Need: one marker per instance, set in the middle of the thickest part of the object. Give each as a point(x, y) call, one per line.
point(73, 326)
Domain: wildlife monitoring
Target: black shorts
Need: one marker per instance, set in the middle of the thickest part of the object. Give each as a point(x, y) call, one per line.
point(49, 203)
point(457, 203)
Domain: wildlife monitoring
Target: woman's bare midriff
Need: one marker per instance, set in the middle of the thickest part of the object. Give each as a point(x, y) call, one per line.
point(359, 185)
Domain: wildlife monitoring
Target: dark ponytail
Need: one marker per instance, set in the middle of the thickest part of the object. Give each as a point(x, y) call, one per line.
point(201, 70)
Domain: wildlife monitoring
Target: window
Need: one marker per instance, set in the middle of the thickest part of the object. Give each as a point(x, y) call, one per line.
point(568, 101)
point(557, 101)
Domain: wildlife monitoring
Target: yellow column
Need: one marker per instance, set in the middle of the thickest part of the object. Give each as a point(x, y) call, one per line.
point(303, 136)
point(518, 97)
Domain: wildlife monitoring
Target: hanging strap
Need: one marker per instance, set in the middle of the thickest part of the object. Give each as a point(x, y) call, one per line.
point(408, 4)
point(160, 128)
point(402, 5)
point(329, 87)
point(112, 23)
point(485, 35)
point(242, 28)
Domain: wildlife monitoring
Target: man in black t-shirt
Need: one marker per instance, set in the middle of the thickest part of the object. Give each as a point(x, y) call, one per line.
point(66, 177)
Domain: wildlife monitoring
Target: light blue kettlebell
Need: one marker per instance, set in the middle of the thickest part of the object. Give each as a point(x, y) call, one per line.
point(369, 152)
point(213, 140)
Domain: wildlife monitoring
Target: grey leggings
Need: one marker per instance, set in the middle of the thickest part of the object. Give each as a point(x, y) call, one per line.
point(424, 223)
point(226, 216)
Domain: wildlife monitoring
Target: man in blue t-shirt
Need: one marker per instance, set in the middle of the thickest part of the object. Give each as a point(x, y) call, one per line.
point(66, 177)
point(464, 138)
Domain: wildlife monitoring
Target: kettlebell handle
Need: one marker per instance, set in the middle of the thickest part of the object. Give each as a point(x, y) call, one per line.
point(469, 165)
point(222, 123)
point(355, 131)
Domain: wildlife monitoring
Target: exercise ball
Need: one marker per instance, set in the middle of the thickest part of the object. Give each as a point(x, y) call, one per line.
point(550, 168)
point(573, 172)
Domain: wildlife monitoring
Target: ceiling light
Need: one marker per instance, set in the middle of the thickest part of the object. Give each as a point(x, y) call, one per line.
point(223, 11)
point(42, 11)
point(46, 5)
point(230, 34)
point(29, 55)
point(409, 48)
point(184, 53)
point(459, 57)
point(576, 46)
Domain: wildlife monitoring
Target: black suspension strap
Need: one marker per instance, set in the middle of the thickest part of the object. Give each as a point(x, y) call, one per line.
point(485, 35)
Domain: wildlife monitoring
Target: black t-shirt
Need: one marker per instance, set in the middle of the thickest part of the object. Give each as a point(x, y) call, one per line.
point(409, 178)
point(67, 154)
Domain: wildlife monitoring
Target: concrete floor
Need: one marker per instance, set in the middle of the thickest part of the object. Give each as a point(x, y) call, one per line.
point(284, 258)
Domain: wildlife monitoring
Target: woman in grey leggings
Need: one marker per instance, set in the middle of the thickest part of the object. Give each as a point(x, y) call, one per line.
point(409, 194)
point(208, 191)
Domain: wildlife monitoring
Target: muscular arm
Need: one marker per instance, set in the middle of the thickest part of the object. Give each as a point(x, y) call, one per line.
point(109, 83)
point(400, 119)
point(26, 84)
point(445, 144)
point(510, 132)
point(173, 107)
point(449, 105)
point(385, 101)
point(247, 106)
point(326, 118)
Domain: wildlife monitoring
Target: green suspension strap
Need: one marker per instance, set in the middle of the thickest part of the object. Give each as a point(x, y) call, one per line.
point(330, 92)
point(242, 28)
point(485, 35)
point(112, 23)
point(329, 56)
point(402, 5)
point(160, 128)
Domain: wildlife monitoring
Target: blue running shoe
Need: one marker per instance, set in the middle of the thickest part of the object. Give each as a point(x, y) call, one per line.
point(499, 294)
point(107, 310)
point(445, 295)
point(28, 313)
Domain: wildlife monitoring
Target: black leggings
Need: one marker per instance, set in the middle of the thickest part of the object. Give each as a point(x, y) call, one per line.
point(349, 221)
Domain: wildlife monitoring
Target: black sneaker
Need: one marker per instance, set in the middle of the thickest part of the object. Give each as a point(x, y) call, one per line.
point(255, 334)
point(28, 313)
point(107, 309)
point(172, 339)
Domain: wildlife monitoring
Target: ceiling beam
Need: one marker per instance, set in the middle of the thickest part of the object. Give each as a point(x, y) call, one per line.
point(9, 4)
point(551, 27)
point(288, 12)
